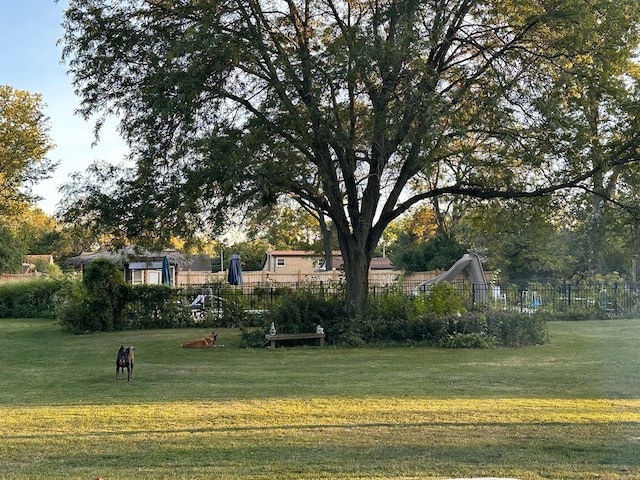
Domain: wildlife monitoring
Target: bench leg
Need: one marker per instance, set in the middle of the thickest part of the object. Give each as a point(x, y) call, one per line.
point(273, 344)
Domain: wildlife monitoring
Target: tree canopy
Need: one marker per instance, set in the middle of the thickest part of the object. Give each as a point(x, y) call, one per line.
point(24, 143)
point(358, 110)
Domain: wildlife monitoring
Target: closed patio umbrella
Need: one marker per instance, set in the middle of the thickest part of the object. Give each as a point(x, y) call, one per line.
point(235, 270)
point(166, 271)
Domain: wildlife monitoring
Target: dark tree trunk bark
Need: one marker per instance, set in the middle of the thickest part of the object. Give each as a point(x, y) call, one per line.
point(325, 232)
point(356, 268)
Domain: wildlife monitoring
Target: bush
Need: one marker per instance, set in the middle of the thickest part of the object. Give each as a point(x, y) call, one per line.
point(252, 337)
point(302, 310)
point(107, 293)
point(155, 306)
point(443, 299)
point(518, 329)
point(33, 299)
point(389, 317)
point(393, 318)
point(98, 303)
point(73, 309)
point(469, 340)
point(471, 330)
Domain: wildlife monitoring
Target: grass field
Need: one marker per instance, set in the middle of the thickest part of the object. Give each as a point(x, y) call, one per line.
point(567, 410)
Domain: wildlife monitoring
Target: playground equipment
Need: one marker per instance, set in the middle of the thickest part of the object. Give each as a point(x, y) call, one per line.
point(476, 274)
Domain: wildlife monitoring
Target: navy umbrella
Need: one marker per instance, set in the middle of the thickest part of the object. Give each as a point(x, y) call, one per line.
point(166, 272)
point(235, 271)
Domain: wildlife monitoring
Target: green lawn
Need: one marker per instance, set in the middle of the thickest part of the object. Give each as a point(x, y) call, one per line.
point(567, 410)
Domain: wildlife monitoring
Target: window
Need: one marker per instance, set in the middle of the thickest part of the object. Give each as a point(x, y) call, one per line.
point(136, 277)
point(154, 277)
point(280, 262)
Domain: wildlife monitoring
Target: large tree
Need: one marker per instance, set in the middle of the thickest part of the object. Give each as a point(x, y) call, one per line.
point(24, 143)
point(348, 106)
point(593, 108)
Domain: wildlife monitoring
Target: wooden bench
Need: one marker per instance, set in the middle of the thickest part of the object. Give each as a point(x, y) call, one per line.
point(293, 336)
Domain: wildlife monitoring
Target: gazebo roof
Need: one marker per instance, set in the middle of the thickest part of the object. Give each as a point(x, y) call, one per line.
point(129, 254)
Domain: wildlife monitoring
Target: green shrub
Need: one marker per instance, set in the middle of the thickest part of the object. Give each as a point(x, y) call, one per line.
point(518, 329)
point(73, 309)
point(389, 318)
point(303, 310)
point(155, 306)
point(32, 299)
point(444, 299)
point(469, 340)
point(98, 303)
point(108, 294)
point(251, 337)
point(469, 330)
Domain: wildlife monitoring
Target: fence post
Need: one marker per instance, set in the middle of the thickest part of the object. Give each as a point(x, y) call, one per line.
point(522, 300)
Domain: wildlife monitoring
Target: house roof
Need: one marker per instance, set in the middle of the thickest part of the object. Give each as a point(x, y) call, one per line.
point(129, 254)
point(299, 253)
point(381, 263)
point(377, 263)
point(32, 258)
point(199, 263)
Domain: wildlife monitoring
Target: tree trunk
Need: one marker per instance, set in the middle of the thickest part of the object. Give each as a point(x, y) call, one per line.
point(598, 231)
point(325, 233)
point(356, 268)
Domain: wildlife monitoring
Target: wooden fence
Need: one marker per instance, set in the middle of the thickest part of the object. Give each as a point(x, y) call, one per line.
point(376, 277)
point(18, 277)
point(381, 278)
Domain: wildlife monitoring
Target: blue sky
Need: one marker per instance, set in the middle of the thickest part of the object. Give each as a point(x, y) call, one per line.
point(30, 60)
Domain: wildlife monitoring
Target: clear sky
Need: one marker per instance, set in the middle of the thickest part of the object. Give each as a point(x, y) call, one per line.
point(30, 60)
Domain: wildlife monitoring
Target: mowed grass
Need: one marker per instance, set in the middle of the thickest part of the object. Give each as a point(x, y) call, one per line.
point(567, 410)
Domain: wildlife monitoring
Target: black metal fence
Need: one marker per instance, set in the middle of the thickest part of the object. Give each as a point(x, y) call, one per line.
point(576, 298)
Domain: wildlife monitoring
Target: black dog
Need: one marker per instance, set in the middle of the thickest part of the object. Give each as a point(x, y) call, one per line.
point(124, 360)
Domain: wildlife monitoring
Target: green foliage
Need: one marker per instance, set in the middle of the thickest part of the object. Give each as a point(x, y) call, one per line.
point(24, 143)
point(29, 299)
point(11, 251)
point(517, 330)
point(73, 309)
point(98, 303)
point(366, 94)
point(468, 340)
point(107, 294)
point(394, 318)
point(439, 252)
point(252, 337)
point(44, 266)
point(155, 306)
point(444, 299)
point(390, 316)
point(284, 227)
point(304, 309)
point(522, 238)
